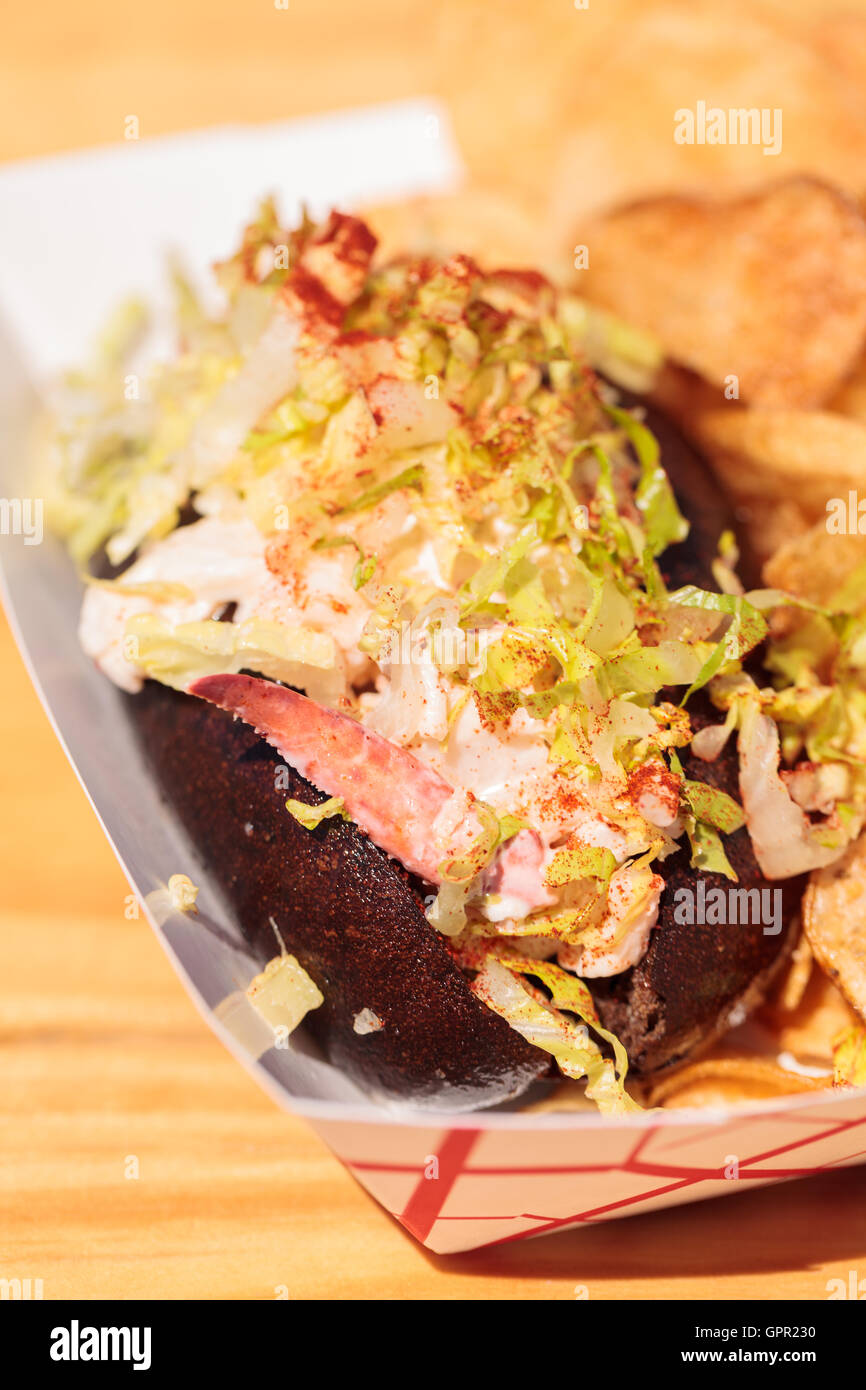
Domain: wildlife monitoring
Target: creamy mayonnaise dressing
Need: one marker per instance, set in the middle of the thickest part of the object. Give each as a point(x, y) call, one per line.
point(218, 561)
point(223, 562)
point(631, 914)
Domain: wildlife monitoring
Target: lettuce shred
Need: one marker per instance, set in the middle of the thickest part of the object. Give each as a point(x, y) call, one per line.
point(546, 1024)
point(177, 654)
point(849, 1057)
point(283, 993)
point(311, 816)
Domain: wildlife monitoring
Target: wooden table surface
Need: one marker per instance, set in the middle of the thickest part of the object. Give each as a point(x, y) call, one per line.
point(103, 1056)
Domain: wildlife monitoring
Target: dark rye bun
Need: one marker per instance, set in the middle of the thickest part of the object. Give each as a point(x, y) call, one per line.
point(355, 919)
point(350, 915)
point(695, 979)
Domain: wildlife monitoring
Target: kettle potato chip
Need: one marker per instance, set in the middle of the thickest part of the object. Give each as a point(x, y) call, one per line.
point(763, 295)
point(797, 460)
point(727, 1080)
point(834, 920)
point(816, 565)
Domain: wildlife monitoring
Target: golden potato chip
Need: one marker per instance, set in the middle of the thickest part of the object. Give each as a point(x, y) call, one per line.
point(495, 228)
point(816, 565)
point(790, 989)
point(849, 1058)
point(774, 456)
point(728, 1080)
point(834, 919)
point(684, 396)
point(618, 116)
point(850, 398)
point(508, 74)
point(769, 524)
point(841, 38)
point(766, 522)
point(764, 296)
point(807, 1031)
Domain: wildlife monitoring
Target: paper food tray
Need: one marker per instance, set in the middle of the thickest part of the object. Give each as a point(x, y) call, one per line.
point(77, 233)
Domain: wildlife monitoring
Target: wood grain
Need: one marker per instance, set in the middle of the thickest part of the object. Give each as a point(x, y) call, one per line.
point(103, 1057)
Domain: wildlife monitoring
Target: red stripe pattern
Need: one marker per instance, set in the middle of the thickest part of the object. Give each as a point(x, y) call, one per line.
point(457, 1189)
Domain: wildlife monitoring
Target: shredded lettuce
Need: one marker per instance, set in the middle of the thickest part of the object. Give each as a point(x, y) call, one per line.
point(283, 993)
point(708, 852)
point(159, 590)
point(494, 832)
point(708, 810)
point(663, 522)
point(181, 653)
point(849, 1057)
point(311, 816)
point(365, 565)
point(412, 477)
point(584, 861)
point(650, 668)
point(448, 910)
point(182, 892)
point(712, 806)
point(569, 993)
point(745, 630)
point(577, 1054)
point(493, 573)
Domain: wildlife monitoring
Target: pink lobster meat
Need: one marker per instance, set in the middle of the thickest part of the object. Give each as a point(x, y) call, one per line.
point(405, 807)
